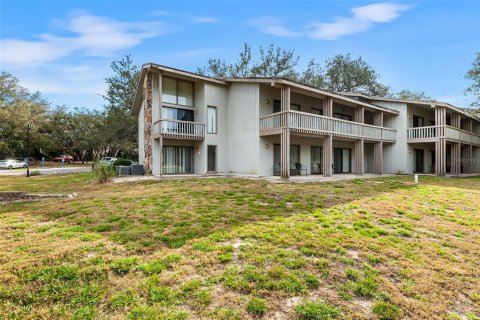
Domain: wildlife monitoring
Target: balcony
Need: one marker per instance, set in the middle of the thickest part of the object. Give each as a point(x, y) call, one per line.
point(311, 124)
point(176, 129)
point(432, 133)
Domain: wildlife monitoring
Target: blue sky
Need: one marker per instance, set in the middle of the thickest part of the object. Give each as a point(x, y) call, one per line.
point(64, 48)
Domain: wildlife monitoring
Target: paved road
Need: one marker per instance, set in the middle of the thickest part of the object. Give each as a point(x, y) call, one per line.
point(19, 172)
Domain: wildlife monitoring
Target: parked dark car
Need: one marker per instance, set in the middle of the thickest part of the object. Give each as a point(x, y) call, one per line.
point(66, 158)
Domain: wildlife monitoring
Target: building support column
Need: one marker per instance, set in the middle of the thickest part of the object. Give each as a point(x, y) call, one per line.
point(148, 125)
point(378, 119)
point(359, 114)
point(327, 155)
point(285, 135)
point(378, 157)
point(285, 153)
point(469, 159)
point(359, 157)
point(328, 107)
point(440, 156)
point(456, 158)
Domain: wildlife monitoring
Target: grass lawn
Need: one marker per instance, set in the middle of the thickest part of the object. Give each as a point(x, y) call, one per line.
point(241, 249)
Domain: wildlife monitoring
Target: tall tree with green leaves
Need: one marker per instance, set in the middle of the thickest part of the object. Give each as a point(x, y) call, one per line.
point(18, 108)
point(273, 62)
point(346, 74)
point(473, 74)
point(413, 95)
point(120, 127)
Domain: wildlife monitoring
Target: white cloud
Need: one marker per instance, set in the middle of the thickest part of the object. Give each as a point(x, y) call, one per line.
point(91, 35)
point(363, 18)
point(204, 20)
point(272, 25)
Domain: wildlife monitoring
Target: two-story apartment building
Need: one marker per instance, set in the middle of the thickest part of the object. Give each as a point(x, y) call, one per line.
point(190, 123)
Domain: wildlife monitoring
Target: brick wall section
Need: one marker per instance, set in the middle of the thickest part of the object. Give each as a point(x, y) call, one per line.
point(147, 132)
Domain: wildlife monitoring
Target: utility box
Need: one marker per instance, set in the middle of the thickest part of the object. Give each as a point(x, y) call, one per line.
point(123, 171)
point(137, 169)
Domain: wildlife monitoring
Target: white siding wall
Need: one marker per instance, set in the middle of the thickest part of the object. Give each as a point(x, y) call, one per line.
point(368, 161)
point(269, 93)
point(243, 129)
point(141, 126)
point(396, 158)
point(427, 113)
point(217, 96)
point(156, 91)
point(476, 159)
point(200, 157)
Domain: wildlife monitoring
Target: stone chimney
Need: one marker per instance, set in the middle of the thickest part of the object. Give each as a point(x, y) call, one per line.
point(147, 132)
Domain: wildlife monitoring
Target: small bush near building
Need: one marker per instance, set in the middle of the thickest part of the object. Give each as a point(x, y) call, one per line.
point(102, 173)
point(121, 162)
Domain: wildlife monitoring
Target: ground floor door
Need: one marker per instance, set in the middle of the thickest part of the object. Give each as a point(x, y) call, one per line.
point(432, 161)
point(212, 159)
point(177, 160)
point(316, 161)
point(342, 160)
point(418, 155)
point(294, 157)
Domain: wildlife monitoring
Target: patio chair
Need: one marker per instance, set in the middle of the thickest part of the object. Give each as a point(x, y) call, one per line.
point(300, 168)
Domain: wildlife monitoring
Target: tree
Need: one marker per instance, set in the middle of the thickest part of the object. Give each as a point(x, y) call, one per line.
point(274, 62)
point(413, 95)
point(120, 127)
point(474, 75)
point(346, 74)
point(19, 108)
point(313, 75)
point(341, 73)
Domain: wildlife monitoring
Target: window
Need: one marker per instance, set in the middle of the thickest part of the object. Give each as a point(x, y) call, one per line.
point(177, 114)
point(211, 120)
point(177, 159)
point(342, 116)
point(317, 111)
point(417, 121)
point(294, 107)
point(177, 92)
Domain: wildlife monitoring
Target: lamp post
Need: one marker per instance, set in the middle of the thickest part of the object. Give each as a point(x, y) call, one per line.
point(27, 153)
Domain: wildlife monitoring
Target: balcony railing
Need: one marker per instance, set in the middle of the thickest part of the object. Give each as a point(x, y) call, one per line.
point(460, 135)
point(431, 133)
point(314, 124)
point(178, 129)
point(424, 133)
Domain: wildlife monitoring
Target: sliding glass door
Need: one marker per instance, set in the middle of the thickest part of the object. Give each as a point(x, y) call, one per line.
point(316, 160)
point(177, 160)
point(342, 160)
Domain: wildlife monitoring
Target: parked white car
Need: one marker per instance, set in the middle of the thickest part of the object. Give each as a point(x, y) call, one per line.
point(108, 160)
point(12, 164)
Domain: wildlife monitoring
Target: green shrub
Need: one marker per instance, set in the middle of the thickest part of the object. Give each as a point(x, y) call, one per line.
point(123, 265)
point(34, 173)
point(257, 306)
point(386, 311)
point(121, 162)
point(316, 310)
point(103, 173)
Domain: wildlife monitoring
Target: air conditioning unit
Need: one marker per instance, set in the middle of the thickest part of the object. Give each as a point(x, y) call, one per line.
point(137, 169)
point(123, 171)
